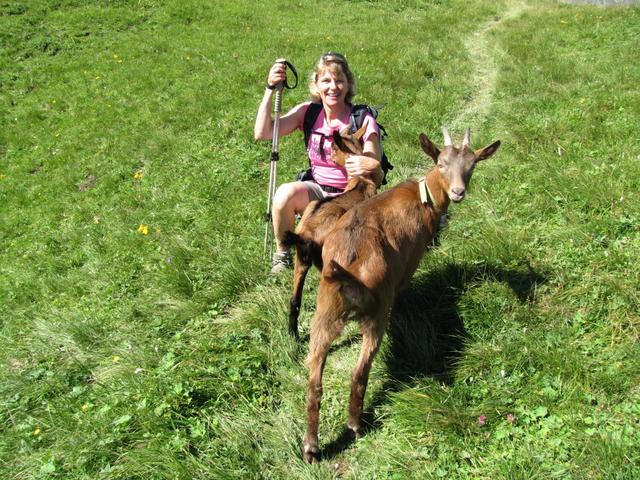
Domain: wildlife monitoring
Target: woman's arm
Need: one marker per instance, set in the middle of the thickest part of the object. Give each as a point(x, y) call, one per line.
point(263, 129)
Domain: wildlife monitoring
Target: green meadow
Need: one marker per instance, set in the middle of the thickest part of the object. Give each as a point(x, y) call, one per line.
point(142, 336)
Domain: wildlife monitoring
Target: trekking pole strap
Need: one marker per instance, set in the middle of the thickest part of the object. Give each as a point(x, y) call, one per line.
point(290, 66)
point(286, 85)
point(295, 75)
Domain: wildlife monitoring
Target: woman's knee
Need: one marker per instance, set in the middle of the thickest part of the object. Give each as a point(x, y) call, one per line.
point(293, 195)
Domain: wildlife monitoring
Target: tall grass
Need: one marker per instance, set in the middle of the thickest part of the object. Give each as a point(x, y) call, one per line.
point(141, 334)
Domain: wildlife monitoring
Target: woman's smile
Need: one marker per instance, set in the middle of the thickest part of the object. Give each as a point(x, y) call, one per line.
point(332, 88)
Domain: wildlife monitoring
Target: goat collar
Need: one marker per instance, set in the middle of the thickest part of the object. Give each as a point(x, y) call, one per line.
point(425, 193)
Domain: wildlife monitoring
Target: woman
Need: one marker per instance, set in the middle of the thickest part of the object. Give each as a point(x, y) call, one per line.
point(333, 85)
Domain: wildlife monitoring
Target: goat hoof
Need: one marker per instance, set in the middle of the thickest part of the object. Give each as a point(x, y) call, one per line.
point(355, 431)
point(294, 334)
point(311, 454)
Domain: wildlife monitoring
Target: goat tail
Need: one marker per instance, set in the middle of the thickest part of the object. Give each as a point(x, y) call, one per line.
point(291, 239)
point(355, 293)
point(308, 250)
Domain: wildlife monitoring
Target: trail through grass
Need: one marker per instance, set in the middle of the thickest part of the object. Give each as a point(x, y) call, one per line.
point(482, 51)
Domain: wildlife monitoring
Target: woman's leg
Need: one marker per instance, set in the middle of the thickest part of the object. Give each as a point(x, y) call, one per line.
point(289, 199)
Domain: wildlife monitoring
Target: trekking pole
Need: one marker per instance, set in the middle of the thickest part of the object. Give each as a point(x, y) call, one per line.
point(275, 155)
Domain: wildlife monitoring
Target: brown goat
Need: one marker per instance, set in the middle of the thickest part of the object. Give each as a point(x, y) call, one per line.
point(368, 257)
point(320, 217)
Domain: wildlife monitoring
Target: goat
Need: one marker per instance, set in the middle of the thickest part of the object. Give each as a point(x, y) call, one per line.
point(319, 218)
point(372, 253)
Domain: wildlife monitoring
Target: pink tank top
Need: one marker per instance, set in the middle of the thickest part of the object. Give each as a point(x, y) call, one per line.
point(325, 172)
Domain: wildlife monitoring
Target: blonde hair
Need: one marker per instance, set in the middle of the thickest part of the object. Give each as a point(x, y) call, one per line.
point(336, 64)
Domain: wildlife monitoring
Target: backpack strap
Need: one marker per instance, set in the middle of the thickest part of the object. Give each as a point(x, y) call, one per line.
point(310, 117)
point(359, 112)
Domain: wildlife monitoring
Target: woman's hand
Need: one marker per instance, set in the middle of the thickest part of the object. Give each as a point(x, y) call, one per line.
point(361, 165)
point(277, 74)
point(289, 122)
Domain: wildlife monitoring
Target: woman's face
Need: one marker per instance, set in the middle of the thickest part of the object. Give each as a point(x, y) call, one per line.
point(332, 87)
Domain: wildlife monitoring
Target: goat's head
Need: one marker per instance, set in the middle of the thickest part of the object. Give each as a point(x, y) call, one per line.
point(456, 164)
point(345, 144)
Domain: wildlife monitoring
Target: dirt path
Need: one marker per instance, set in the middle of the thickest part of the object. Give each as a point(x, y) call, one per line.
point(483, 52)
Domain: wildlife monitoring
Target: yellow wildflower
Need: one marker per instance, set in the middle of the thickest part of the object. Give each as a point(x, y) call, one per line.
point(143, 229)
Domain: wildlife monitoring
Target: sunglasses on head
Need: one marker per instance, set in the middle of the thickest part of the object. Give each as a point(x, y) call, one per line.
point(334, 55)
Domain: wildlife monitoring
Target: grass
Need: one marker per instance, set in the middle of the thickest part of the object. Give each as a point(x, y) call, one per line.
point(142, 335)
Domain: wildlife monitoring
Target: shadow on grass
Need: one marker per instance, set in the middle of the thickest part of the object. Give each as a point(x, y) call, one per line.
point(427, 335)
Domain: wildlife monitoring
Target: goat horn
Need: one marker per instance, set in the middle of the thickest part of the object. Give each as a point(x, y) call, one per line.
point(467, 138)
point(447, 137)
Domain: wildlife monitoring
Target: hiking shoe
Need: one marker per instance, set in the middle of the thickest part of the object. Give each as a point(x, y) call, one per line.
point(281, 261)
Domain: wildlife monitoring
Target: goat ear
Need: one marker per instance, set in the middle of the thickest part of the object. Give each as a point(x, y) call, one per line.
point(429, 148)
point(344, 132)
point(486, 152)
point(339, 150)
point(360, 132)
point(342, 143)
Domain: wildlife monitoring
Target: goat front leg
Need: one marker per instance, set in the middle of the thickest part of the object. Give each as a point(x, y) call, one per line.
point(323, 332)
point(372, 333)
point(299, 275)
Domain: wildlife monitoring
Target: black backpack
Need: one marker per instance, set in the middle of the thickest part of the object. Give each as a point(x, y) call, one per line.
point(358, 113)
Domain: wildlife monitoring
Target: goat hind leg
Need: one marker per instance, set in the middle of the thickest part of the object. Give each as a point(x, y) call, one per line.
point(371, 340)
point(324, 330)
point(299, 275)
